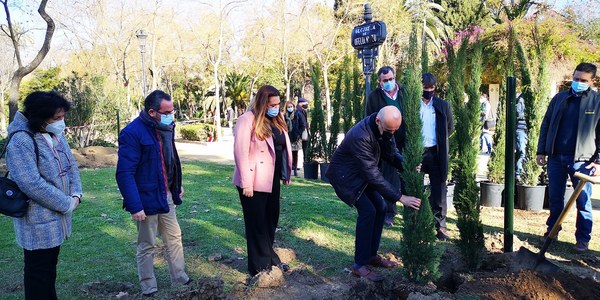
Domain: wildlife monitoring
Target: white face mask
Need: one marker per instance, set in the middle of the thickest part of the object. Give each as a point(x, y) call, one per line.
point(57, 127)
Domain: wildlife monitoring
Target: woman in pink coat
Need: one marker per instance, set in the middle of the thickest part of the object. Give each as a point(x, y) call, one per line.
point(263, 157)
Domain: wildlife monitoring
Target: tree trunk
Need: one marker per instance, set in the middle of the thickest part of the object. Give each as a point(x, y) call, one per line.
point(217, 115)
point(13, 95)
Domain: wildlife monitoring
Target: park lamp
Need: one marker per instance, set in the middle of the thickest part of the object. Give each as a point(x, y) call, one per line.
point(142, 35)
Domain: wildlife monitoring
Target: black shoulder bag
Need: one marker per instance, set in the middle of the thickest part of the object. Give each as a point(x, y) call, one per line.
point(13, 202)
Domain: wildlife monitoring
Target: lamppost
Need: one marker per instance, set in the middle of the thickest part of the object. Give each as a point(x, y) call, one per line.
point(366, 38)
point(142, 35)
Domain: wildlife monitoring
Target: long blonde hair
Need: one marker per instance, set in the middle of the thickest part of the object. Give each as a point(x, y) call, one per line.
point(262, 124)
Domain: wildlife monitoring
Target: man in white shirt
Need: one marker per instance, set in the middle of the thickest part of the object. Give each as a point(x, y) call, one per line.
point(436, 116)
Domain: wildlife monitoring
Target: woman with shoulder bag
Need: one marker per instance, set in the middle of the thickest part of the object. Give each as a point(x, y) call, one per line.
point(52, 182)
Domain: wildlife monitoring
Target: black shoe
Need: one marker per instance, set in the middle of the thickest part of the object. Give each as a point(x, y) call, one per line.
point(189, 281)
point(284, 267)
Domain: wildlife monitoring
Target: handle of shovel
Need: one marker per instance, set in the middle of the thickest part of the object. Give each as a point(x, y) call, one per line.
point(583, 179)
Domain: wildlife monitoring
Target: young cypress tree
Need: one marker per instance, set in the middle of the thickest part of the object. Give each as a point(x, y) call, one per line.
point(347, 98)
point(420, 257)
point(533, 114)
point(317, 142)
point(358, 95)
point(334, 129)
point(466, 195)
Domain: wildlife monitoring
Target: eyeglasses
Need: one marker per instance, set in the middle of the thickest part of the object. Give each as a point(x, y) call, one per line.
point(167, 112)
point(389, 79)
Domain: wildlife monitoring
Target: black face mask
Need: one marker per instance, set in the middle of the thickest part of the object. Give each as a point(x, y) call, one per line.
point(386, 135)
point(428, 94)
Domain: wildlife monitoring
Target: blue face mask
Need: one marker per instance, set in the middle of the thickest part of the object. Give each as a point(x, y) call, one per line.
point(579, 87)
point(290, 109)
point(389, 86)
point(166, 119)
point(273, 112)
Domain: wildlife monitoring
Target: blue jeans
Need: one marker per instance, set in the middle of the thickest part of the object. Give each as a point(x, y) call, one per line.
point(521, 144)
point(559, 166)
point(371, 209)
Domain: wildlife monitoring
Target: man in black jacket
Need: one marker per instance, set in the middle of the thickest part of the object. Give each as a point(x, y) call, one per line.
point(570, 138)
point(357, 180)
point(388, 93)
point(436, 117)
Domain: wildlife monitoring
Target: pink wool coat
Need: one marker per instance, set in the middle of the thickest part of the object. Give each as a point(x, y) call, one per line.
point(255, 159)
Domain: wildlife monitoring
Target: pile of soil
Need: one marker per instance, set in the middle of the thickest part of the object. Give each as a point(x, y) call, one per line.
point(95, 157)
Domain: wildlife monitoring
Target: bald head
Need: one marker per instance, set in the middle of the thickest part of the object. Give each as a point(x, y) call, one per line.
point(389, 119)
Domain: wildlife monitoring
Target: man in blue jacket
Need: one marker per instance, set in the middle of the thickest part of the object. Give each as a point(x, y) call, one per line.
point(356, 177)
point(149, 178)
point(570, 138)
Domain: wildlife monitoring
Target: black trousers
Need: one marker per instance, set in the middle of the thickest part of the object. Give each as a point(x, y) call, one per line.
point(40, 273)
point(261, 215)
point(294, 160)
point(390, 173)
point(439, 190)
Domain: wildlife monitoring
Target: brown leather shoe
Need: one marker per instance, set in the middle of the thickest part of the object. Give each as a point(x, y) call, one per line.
point(367, 273)
point(379, 261)
point(442, 234)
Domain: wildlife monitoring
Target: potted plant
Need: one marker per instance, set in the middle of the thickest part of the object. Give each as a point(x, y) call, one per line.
point(531, 189)
point(334, 129)
point(317, 140)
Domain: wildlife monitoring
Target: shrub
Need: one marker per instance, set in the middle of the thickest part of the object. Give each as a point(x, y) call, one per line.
point(197, 132)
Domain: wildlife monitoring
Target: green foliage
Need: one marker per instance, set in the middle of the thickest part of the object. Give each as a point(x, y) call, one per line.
point(358, 94)
point(334, 129)
point(197, 132)
point(534, 110)
point(460, 14)
point(86, 95)
point(455, 94)
point(417, 248)
point(43, 80)
point(424, 56)
point(238, 88)
point(317, 142)
point(466, 194)
point(497, 159)
point(347, 98)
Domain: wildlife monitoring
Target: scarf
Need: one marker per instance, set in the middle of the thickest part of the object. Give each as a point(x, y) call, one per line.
point(165, 132)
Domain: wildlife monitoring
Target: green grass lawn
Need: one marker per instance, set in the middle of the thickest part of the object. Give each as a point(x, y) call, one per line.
point(313, 222)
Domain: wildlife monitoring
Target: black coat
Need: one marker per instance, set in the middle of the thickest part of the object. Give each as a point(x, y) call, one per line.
point(444, 126)
point(355, 163)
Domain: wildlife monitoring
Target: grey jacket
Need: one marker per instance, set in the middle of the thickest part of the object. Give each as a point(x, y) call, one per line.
point(588, 130)
point(49, 182)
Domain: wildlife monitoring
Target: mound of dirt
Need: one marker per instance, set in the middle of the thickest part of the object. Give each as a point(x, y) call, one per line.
point(95, 157)
point(529, 285)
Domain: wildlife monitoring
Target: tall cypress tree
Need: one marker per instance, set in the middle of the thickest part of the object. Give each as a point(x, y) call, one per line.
point(466, 195)
point(420, 257)
point(347, 101)
point(358, 95)
point(317, 142)
point(334, 129)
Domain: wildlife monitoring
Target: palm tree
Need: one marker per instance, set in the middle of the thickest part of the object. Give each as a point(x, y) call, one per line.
point(237, 89)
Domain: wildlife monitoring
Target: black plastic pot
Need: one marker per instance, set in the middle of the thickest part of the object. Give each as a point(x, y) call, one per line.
point(491, 194)
point(311, 170)
point(323, 168)
point(531, 197)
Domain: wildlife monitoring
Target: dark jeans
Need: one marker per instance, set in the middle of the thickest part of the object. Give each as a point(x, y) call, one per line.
point(521, 144)
point(40, 273)
point(559, 167)
point(369, 225)
point(437, 198)
point(261, 215)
